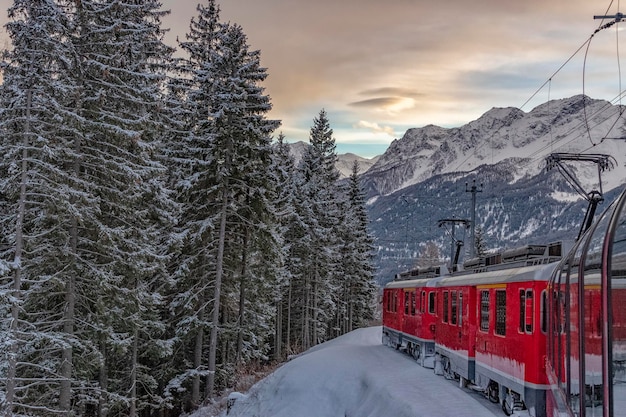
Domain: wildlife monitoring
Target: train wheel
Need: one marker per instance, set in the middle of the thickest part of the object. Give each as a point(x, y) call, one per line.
point(506, 407)
point(416, 353)
point(447, 372)
point(493, 392)
point(511, 403)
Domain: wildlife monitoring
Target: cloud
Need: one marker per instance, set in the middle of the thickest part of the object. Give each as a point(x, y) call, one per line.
point(391, 91)
point(390, 105)
point(375, 127)
point(376, 102)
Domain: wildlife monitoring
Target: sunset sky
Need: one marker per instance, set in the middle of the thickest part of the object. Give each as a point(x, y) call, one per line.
point(381, 67)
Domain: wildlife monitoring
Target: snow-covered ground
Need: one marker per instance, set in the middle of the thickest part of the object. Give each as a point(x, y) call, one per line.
point(356, 376)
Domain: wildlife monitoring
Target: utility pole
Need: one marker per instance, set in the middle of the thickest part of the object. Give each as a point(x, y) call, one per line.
point(473, 189)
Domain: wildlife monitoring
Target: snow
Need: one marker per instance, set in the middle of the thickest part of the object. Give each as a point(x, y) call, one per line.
point(355, 375)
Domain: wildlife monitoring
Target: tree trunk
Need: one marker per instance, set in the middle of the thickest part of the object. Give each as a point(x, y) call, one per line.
point(315, 306)
point(17, 282)
point(242, 296)
point(132, 412)
point(288, 338)
point(197, 360)
point(104, 381)
point(219, 265)
point(305, 319)
point(65, 395)
point(278, 330)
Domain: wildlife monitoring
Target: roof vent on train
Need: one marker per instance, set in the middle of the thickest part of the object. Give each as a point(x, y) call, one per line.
point(524, 255)
point(422, 272)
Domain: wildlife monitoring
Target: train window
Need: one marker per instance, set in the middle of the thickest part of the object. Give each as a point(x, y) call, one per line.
point(412, 303)
point(406, 303)
point(484, 310)
point(544, 311)
point(500, 312)
point(460, 308)
point(395, 302)
point(574, 333)
point(431, 302)
point(453, 307)
point(445, 306)
point(530, 311)
point(522, 310)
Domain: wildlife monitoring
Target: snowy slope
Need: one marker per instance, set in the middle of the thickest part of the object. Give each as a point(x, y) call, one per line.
point(355, 375)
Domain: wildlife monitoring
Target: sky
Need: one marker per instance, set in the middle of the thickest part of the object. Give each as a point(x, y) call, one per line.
point(379, 68)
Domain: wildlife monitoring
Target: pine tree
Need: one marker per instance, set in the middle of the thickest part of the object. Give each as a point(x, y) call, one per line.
point(357, 268)
point(120, 71)
point(227, 215)
point(320, 210)
point(91, 201)
point(37, 206)
point(285, 209)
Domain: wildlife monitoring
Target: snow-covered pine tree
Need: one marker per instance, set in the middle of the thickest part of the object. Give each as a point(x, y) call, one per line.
point(37, 210)
point(284, 174)
point(120, 69)
point(223, 187)
point(321, 212)
point(357, 268)
point(80, 86)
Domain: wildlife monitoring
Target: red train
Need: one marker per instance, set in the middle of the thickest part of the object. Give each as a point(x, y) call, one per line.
point(540, 333)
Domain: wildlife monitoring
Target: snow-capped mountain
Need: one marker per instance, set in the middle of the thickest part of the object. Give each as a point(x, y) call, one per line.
point(568, 125)
point(344, 163)
point(426, 176)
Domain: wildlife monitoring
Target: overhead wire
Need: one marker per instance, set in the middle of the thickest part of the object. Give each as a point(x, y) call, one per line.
point(549, 83)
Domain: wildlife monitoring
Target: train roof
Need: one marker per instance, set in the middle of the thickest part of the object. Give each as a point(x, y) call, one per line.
point(537, 272)
point(412, 283)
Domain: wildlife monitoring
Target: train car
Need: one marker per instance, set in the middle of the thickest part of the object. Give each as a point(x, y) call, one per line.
point(586, 347)
point(409, 314)
point(487, 324)
point(455, 328)
point(511, 337)
point(500, 346)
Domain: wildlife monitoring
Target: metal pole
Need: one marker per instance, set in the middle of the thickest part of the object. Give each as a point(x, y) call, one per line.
point(473, 189)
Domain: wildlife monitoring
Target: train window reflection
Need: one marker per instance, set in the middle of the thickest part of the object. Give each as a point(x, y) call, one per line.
point(591, 311)
point(544, 311)
point(484, 310)
point(501, 312)
point(618, 317)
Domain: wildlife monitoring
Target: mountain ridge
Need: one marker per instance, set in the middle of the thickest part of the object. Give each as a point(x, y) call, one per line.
point(423, 177)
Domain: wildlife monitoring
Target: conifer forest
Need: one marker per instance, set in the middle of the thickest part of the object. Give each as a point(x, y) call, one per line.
point(157, 238)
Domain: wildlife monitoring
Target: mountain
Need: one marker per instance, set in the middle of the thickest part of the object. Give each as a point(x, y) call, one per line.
point(344, 161)
point(425, 177)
